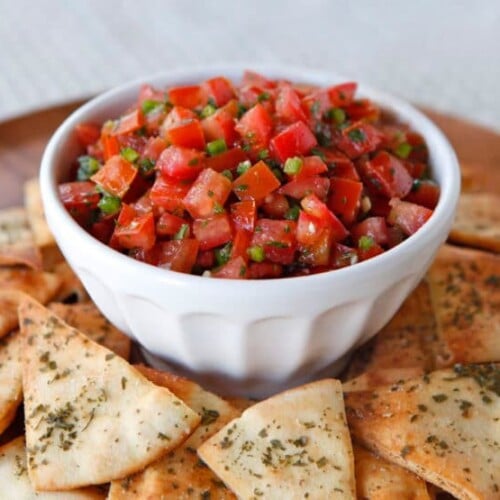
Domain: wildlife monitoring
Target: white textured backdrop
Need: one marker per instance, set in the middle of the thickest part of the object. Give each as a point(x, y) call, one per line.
point(441, 53)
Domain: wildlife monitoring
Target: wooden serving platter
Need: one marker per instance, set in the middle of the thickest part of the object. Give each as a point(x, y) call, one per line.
point(23, 139)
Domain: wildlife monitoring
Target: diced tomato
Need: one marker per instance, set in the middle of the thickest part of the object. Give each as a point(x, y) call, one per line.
point(345, 198)
point(289, 106)
point(129, 123)
point(425, 193)
point(125, 217)
point(228, 160)
point(317, 104)
point(206, 259)
point(220, 125)
point(416, 169)
point(302, 187)
point(419, 151)
point(394, 236)
point(408, 216)
point(359, 138)
point(244, 214)
point(188, 96)
point(363, 109)
point(169, 194)
point(80, 199)
point(241, 242)
point(144, 204)
point(256, 183)
point(372, 251)
point(318, 253)
point(309, 228)
point(115, 176)
point(103, 229)
point(169, 224)
point(379, 206)
point(342, 95)
point(208, 194)
point(311, 165)
point(339, 164)
point(177, 116)
point(233, 269)
point(275, 205)
point(87, 133)
point(312, 205)
point(375, 227)
point(250, 95)
point(258, 270)
point(109, 142)
point(387, 175)
point(253, 78)
point(180, 163)
point(153, 148)
point(219, 89)
point(295, 140)
point(178, 255)
point(343, 256)
point(232, 108)
point(277, 238)
point(255, 127)
point(187, 134)
point(149, 93)
point(212, 232)
point(138, 233)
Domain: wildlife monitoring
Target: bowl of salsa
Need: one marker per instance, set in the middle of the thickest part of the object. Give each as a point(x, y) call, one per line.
point(254, 225)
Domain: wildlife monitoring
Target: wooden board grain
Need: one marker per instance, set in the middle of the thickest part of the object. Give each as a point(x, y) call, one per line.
point(23, 139)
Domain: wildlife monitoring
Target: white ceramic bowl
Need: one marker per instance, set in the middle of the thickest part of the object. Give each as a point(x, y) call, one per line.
point(247, 337)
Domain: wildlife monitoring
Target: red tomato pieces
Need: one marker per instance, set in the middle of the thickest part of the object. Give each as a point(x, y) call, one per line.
point(260, 180)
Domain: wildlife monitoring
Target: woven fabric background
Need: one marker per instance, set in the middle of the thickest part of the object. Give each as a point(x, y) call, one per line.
point(440, 53)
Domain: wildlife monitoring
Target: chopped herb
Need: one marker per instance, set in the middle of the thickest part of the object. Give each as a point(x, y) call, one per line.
point(366, 242)
point(256, 253)
point(223, 254)
point(228, 174)
point(216, 147)
point(263, 154)
point(109, 204)
point(277, 244)
point(146, 166)
point(193, 162)
point(241, 187)
point(405, 450)
point(243, 167)
point(150, 105)
point(182, 232)
point(241, 110)
point(88, 166)
point(293, 165)
point(218, 208)
point(336, 115)
point(403, 150)
point(208, 110)
point(292, 213)
point(318, 152)
point(322, 462)
point(356, 135)
point(163, 437)
point(124, 383)
point(208, 416)
point(129, 154)
point(439, 398)
point(243, 271)
point(263, 96)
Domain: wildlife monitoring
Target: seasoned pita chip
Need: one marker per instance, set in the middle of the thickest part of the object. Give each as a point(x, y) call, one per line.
point(379, 378)
point(42, 235)
point(88, 319)
point(72, 289)
point(9, 302)
point(399, 349)
point(16, 240)
point(90, 417)
point(443, 426)
point(11, 390)
point(293, 445)
point(465, 292)
point(241, 404)
point(377, 479)
point(15, 484)
point(181, 474)
point(477, 222)
point(40, 285)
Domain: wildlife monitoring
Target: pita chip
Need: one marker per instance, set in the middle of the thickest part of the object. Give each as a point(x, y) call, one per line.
point(16, 240)
point(42, 235)
point(40, 285)
point(72, 289)
point(15, 484)
point(443, 426)
point(378, 479)
point(477, 222)
point(465, 293)
point(9, 302)
point(90, 417)
point(181, 474)
point(399, 350)
point(11, 390)
point(293, 445)
point(88, 319)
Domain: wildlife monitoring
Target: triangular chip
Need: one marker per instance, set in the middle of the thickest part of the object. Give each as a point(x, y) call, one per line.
point(378, 479)
point(40, 285)
point(293, 445)
point(72, 289)
point(15, 484)
point(465, 292)
point(443, 426)
point(16, 240)
point(181, 474)
point(11, 390)
point(477, 222)
point(88, 319)
point(42, 235)
point(90, 417)
point(399, 350)
point(9, 302)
